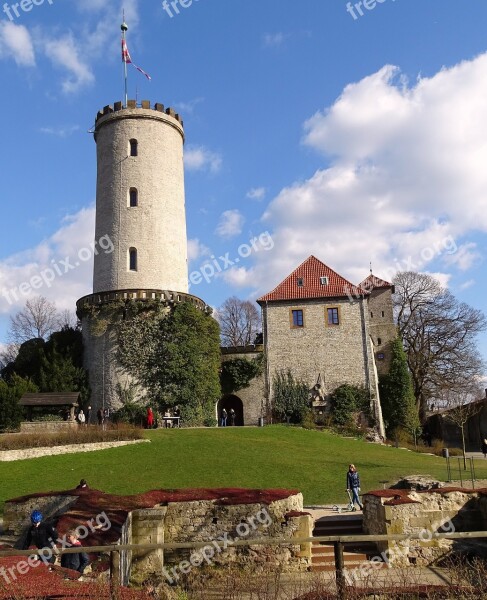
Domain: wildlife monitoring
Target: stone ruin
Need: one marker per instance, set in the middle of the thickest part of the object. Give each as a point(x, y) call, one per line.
point(177, 516)
point(425, 512)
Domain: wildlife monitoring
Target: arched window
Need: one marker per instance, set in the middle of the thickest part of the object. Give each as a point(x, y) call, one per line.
point(133, 148)
point(133, 197)
point(133, 259)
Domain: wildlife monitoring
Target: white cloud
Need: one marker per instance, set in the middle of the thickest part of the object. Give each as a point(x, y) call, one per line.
point(16, 43)
point(403, 182)
point(187, 107)
point(467, 284)
point(256, 193)
point(61, 132)
point(197, 250)
point(230, 225)
point(64, 53)
point(199, 158)
point(75, 234)
point(273, 40)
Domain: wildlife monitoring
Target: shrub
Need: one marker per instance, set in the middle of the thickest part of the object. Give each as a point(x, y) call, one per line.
point(347, 402)
point(291, 397)
point(82, 435)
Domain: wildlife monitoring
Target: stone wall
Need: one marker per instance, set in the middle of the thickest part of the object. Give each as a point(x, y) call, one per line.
point(48, 426)
point(253, 397)
point(340, 353)
point(16, 516)
point(381, 326)
point(424, 513)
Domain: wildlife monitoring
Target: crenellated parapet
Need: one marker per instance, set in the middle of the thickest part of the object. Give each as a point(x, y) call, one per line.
point(164, 297)
point(118, 107)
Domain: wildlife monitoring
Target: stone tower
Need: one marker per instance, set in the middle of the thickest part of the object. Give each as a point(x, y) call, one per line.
point(140, 238)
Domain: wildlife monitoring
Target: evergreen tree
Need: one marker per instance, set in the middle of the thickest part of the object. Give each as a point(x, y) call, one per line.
point(175, 356)
point(290, 397)
point(10, 394)
point(397, 394)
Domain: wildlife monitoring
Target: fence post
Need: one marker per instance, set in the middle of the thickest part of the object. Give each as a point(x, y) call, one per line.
point(472, 476)
point(460, 472)
point(339, 570)
point(115, 575)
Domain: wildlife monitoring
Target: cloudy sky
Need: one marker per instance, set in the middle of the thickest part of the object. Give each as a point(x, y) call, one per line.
point(355, 135)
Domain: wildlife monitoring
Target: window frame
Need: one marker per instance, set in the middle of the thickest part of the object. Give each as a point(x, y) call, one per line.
point(338, 316)
point(134, 191)
point(291, 318)
point(133, 253)
point(133, 148)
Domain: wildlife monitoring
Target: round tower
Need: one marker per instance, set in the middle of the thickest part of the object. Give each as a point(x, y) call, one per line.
point(140, 199)
point(140, 248)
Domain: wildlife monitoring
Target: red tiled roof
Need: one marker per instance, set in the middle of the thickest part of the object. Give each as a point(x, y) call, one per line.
point(310, 272)
point(373, 282)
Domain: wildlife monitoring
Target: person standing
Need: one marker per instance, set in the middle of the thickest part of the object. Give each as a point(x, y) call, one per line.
point(88, 415)
point(81, 417)
point(353, 485)
point(484, 447)
point(232, 417)
point(99, 416)
point(150, 418)
point(223, 418)
point(77, 561)
point(42, 535)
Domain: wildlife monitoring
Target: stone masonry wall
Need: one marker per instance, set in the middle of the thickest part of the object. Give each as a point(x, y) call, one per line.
point(252, 397)
point(381, 326)
point(16, 516)
point(339, 353)
point(446, 510)
point(156, 227)
point(204, 521)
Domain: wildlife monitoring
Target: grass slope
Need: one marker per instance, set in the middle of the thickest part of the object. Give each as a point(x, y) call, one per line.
point(269, 457)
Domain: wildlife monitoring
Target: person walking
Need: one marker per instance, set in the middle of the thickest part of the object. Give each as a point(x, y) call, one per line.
point(353, 485)
point(484, 447)
point(42, 535)
point(223, 418)
point(77, 561)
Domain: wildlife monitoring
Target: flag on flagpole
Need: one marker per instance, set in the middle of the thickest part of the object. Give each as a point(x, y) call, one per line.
point(128, 60)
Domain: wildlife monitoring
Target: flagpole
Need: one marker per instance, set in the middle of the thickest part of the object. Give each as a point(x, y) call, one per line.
point(124, 28)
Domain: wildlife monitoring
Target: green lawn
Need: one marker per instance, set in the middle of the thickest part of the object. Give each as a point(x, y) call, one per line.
point(278, 456)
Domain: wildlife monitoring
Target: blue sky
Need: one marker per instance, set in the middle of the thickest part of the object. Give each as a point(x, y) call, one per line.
point(310, 129)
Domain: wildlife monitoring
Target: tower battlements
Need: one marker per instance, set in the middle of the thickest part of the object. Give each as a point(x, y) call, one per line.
point(137, 110)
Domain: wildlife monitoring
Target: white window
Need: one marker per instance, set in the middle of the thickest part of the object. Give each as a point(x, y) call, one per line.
point(324, 280)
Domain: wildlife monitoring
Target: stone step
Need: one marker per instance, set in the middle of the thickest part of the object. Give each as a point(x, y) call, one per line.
point(324, 559)
point(331, 567)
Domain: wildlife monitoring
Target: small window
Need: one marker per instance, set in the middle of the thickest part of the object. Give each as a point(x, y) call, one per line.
point(297, 318)
point(133, 197)
point(379, 341)
point(383, 314)
point(333, 317)
point(134, 148)
point(371, 315)
point(300, 282)
point(133, 259)
point(324, 280)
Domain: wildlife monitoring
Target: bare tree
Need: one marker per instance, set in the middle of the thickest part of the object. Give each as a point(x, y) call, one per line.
point(439, 336)
point(38, 319)
point(239, 322)
point(462, 405)
point(67, 318)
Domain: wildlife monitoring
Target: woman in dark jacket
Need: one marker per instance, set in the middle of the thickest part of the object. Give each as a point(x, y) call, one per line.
point(353, 485)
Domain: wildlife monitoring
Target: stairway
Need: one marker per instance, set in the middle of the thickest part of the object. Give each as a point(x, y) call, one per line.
point(355, 553)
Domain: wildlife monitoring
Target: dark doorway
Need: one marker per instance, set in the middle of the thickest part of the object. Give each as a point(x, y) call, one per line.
point(228, 403)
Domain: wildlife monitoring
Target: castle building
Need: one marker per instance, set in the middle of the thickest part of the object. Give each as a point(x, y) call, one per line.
point(140, 207)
